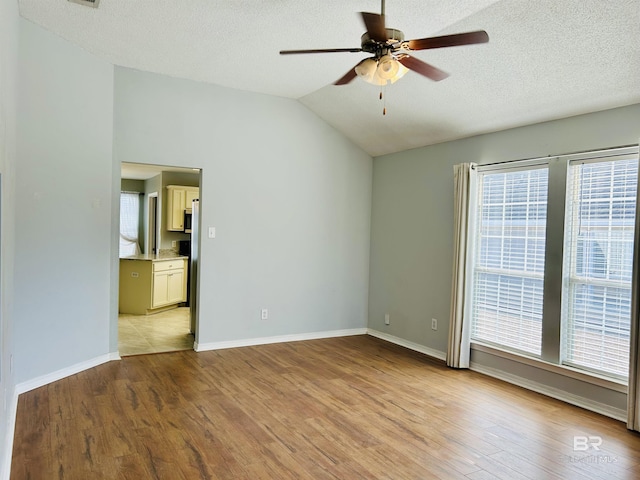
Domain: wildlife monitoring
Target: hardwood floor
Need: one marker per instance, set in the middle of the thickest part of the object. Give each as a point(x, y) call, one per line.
point(346, 408)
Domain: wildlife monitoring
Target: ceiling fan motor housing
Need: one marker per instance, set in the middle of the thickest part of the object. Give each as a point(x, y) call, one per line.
point(370, 45)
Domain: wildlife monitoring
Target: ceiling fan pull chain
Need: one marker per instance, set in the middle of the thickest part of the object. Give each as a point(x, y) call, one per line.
point(384, 99)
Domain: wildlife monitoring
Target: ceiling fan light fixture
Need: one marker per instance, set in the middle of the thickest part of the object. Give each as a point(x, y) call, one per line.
point(402, 71)
point(387, 67)
point(382, 71)
point(366, 69)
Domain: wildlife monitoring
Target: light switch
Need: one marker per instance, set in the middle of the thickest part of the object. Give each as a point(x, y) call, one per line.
point(212, 232)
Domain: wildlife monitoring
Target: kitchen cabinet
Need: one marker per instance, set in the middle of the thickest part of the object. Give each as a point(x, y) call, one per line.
point(179, 198)
point(191, 194)
point(169, 284)
point(149, 284)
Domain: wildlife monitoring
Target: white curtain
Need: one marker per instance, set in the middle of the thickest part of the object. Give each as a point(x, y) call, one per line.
point(464, 177)
point(129, 221)
point(633, 395)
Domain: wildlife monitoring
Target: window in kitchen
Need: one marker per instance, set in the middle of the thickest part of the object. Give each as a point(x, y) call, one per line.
point(551, 259)
point(129, 221)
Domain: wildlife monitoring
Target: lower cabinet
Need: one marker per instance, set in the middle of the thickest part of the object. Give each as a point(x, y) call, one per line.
point(149, 286)
point(168, 287)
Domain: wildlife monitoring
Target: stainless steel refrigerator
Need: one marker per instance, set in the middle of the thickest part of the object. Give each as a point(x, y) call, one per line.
point(193, 267)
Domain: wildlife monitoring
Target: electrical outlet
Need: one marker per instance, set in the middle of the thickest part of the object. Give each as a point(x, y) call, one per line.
point(434, 324)
point(387, 319)
point(174, 243)
point(265, 314)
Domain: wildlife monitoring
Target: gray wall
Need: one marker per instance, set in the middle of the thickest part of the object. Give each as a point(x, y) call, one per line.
point(64, 189)
point(9, 21)
point(292, 206)
point(412, 215)
point(130, 185)
point(289, 197)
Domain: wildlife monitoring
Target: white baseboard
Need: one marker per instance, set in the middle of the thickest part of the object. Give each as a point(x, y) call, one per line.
point(65, 372)
point(407, 344)
point(11, 428)
point(592, 405)
point(248, 342)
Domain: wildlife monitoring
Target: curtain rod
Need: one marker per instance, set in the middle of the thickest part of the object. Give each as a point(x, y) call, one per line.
point(558, 155)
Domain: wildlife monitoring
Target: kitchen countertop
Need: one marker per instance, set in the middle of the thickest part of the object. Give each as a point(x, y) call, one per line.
point(154, 257)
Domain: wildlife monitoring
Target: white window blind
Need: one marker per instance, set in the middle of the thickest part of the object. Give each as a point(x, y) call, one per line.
point(508, 265)
point(598, 252)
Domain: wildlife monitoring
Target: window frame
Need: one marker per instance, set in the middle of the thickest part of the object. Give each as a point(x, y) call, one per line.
point(552, 320)
point(513, 167)
point(570, 261)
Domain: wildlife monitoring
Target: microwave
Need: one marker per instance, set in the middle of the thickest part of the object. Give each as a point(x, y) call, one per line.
point(187, 220)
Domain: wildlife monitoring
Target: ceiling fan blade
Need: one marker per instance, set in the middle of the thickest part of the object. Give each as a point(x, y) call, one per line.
point(321, 50)
point(350, 75)
point(375, 26)
point(423, 68)
point(454, 40)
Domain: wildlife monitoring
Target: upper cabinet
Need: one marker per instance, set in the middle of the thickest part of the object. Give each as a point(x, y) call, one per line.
point(191, 194)
point(179, 198)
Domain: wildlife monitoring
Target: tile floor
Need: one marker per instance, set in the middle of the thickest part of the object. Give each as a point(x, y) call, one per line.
point(161, 332)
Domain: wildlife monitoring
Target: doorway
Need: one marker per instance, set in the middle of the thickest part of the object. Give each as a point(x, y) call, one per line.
point(154, 313)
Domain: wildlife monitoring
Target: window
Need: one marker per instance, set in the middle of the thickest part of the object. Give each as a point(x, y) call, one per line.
point(556, 287)
point(129, 221)
point(601, 210)
point(509, 264)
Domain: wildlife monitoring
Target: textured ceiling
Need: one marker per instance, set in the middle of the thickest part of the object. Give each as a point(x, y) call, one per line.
point(546, 59)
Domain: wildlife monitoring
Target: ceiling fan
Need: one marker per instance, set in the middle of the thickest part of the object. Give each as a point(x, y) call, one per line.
point(391, 60)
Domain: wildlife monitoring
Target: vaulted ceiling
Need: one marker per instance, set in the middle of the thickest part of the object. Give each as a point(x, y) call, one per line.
point(546, 59)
